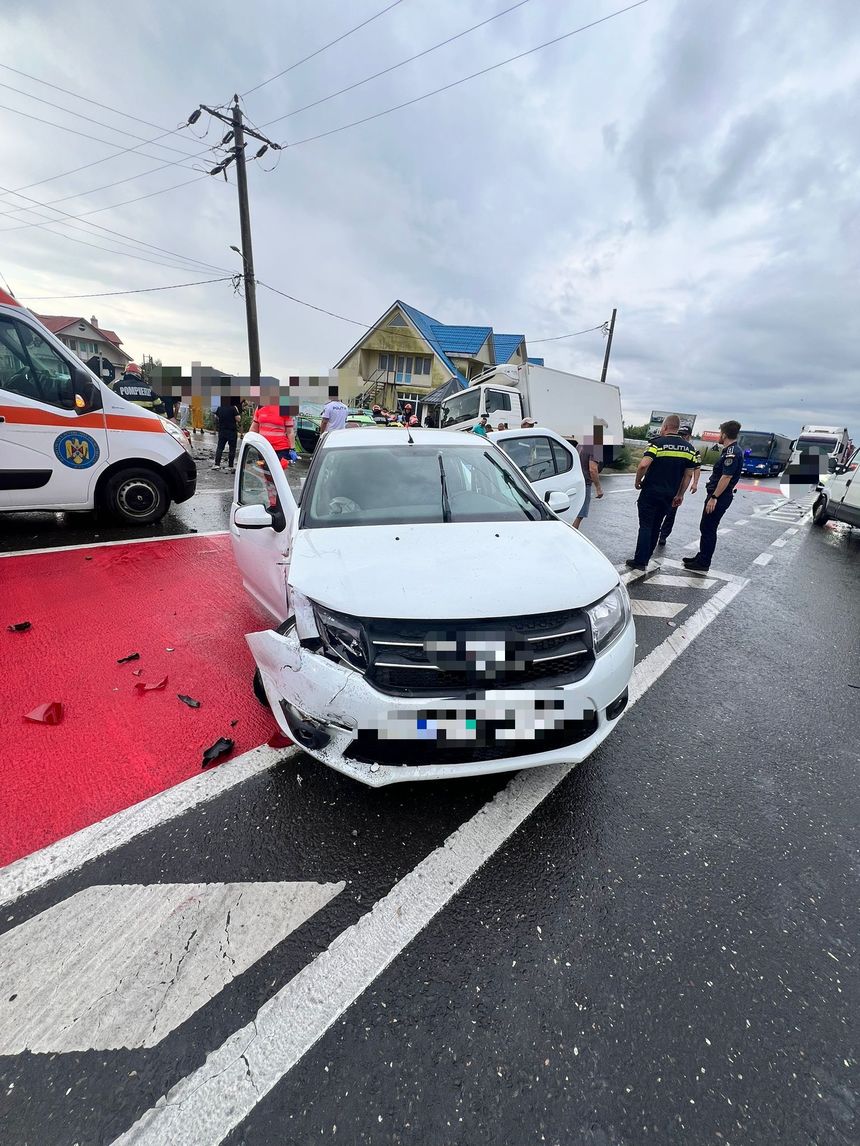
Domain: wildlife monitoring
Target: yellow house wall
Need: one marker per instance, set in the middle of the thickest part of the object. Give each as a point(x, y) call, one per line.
point(354, 374)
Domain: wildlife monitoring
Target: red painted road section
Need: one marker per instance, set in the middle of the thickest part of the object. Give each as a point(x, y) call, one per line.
point(759, 488)
point(115, 745)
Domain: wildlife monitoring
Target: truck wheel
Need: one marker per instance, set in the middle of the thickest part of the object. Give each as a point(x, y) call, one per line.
point(137, 496)
point(819, 511)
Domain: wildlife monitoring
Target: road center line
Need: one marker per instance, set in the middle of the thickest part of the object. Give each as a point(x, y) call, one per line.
point(206, 1105)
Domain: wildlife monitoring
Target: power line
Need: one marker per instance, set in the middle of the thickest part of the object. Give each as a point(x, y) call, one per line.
point(127, 254)
point(400, 64)
point(311, 306)
point(465, 79)
point(89, 119)
point(319, 51)
point(86, 99)
point(113, 293)
point(111, 206)
point(119, 234)
point(559, 337)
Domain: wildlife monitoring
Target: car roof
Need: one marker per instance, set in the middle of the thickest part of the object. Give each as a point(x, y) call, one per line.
point(389, 436)
point(527, 432)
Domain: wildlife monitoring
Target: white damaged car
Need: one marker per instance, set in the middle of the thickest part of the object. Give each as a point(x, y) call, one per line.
point(434, 615)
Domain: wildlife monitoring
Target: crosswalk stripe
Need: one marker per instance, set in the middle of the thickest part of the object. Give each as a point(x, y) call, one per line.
point(656, 608)
point(670, 580)
point(763, 559)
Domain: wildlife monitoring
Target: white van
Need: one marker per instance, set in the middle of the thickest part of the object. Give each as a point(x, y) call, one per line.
point(68, 442)
point(839, 499)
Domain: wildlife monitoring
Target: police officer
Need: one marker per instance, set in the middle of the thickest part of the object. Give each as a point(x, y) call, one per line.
point(134, 387)
point(718, 496)
point(686, 432)
point(663, 476)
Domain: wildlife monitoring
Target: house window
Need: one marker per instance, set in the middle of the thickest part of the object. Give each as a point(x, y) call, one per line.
point(398, 320)
point(405, 366)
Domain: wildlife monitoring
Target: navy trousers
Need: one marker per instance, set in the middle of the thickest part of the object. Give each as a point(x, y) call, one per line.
point(652, 513)
point(709, 525)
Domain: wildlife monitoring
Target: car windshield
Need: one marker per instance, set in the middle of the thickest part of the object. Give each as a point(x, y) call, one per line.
point(373, 485)
point(816, 445)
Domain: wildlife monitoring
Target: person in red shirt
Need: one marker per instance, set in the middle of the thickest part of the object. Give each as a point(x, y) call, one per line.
point(279, 429)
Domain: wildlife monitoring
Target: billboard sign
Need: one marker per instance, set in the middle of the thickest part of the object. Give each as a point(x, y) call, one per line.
point(710, 435)
point(657, 416)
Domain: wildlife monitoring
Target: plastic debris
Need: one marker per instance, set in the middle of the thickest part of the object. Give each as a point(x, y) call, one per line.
point(168, 650)
point(136, 672)
point(189, 700)
point(278, 740)
point(50, 713)
point(21, 627)
point(155, 686)
point(130, 657)
point(215, 751)
point(233, 723)
point(850, 685)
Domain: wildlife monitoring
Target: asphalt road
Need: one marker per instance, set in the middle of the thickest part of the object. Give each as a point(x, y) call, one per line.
point(657, 945)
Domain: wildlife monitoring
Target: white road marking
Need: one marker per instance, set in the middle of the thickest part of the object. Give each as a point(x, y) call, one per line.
point(671, 581)
point(692, 545)
point(105, 544)
point(743, 521)
point(145, 958)
point(723, 532)
point(656, 608)
point(763, 559)
point(628, 489)
point(780, 541)
point(711, 572)
point(791, 532)
point(34, 871)
point(206, 1105)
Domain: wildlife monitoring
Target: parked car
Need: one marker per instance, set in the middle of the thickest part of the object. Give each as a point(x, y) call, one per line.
point(548, 462)
point(307, 432)
point(839, 498)
point(434, 615)
point(358, 420)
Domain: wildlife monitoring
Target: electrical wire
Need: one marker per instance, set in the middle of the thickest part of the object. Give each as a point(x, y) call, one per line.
point(324, 48)
point(400, 64)
point(559, 337)
point(113, 293)
point(311, 306)
point(465, 79)
point(99, 123)
point(127, 254)
point(119, 235)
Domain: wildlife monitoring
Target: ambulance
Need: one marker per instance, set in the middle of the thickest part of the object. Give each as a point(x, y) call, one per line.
point(68, 442)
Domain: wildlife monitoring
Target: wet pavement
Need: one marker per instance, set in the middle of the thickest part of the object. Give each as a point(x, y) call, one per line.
point(662, 950)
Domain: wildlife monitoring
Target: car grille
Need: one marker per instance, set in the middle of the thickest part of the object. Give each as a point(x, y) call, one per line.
point(546, 650)
point(368, 749)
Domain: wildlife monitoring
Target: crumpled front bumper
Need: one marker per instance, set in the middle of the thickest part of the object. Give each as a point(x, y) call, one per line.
point(340, 702)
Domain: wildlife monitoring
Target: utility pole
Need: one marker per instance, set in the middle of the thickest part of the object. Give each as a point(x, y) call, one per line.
point(237, 154)
point(608, 345)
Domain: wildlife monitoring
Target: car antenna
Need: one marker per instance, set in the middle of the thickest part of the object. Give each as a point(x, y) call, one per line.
point(409, 435)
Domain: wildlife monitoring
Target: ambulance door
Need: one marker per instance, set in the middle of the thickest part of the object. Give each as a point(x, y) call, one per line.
point(53, 441)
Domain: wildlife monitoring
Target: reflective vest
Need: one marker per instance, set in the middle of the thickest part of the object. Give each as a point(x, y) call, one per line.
point(135, 389)
point(274, 425)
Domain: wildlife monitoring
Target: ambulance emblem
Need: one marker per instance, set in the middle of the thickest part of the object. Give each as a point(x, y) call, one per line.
point(77, 451)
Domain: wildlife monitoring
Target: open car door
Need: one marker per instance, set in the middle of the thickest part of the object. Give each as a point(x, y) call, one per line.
point(263, 520)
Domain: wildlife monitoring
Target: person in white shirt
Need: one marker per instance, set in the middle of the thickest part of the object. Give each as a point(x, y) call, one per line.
point(334, 416)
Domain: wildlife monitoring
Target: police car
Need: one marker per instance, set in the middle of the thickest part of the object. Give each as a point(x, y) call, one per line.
point(68, 442)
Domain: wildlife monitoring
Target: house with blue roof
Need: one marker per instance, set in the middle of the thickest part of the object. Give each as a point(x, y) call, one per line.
point(408, 355)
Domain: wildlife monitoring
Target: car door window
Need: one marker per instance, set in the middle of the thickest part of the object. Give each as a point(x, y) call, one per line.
point(497, 400)
point(562, 457)
point(256, 484)
point(29, 366)
point(533, 454)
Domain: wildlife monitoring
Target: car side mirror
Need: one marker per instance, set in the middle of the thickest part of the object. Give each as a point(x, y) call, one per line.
point(253, 517)
point(557, 501)
point(87, 395)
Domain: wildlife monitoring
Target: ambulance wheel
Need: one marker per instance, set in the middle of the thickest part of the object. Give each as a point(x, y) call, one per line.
point(137, 496)
point(819, 511)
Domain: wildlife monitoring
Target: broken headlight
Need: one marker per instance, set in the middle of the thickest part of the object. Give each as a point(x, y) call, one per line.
point(609, 618)
point(342, 637)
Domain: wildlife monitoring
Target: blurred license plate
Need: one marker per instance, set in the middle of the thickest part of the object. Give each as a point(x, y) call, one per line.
point(487, 719)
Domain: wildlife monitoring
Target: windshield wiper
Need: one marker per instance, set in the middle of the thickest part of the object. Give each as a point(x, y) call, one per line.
point(446, 505)
point(509, 480)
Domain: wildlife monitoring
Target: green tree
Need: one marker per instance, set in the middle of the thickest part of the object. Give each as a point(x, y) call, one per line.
point(636, 431)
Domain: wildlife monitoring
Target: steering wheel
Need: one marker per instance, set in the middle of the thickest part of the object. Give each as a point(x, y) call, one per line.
point(341, 505)
point(20, 382)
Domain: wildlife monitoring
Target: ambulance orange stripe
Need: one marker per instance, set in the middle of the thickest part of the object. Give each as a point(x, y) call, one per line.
point(24, 416)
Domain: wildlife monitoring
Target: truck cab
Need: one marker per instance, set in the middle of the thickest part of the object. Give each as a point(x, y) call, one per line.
point(68, 442)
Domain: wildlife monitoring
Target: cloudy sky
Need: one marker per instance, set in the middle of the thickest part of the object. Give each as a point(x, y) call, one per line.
point(692, 162)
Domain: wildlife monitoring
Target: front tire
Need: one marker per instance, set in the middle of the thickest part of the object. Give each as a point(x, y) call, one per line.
point(819, 511)
point(137, 496)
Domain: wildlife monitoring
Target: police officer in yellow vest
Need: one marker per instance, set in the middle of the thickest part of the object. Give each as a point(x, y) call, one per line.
point(135, 388)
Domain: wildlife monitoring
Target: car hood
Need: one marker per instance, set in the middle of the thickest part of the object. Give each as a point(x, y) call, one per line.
point(459, 570)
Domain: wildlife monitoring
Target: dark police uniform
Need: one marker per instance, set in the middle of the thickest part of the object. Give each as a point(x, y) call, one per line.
point(671, 455)
point(731, 462)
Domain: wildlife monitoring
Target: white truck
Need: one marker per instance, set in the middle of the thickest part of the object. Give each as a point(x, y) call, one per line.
point(573, 406)
point(831, 442)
